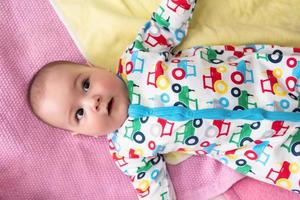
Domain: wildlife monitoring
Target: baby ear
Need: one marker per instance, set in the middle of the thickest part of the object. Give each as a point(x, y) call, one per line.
point(74, 134)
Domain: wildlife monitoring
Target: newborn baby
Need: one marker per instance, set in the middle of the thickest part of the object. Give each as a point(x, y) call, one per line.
point(239, 105)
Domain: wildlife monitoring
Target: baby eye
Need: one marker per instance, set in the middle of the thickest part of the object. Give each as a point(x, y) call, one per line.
point(86, 85)
point(79, 114)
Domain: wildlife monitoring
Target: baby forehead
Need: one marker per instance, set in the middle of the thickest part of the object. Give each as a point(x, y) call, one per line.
point(63, 72)
point(59, 88)
point(61, 75)
point(67, 67)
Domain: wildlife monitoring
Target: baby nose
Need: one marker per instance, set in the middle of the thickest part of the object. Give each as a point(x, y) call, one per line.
point(97, 103)
point(94, 103)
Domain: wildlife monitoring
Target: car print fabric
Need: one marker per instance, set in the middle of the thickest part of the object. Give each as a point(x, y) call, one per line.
point(239, 105)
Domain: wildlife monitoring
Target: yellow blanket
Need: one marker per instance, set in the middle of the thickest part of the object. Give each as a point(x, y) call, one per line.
point(102, 29)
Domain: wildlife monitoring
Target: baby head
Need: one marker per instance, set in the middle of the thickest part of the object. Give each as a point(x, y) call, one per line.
point(78, 98)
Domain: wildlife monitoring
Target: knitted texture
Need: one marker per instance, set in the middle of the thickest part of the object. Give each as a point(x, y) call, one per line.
point(41, 162)
point(250, 189)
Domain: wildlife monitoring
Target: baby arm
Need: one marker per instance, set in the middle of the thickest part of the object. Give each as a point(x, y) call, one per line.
point(148, 175)
point(167, 27)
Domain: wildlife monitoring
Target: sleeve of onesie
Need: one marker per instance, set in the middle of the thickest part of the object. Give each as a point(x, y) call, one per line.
point(167, 27)
point(148, 175)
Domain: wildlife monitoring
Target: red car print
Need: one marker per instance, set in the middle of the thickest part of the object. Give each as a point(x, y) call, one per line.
point(157, 78)
point(273, 84)
point(282, 178)
point(119, 159)
point(279, 129)
point(218, 128)
point(174, 4)
point(223, 127)
point(167, 127)
point(236, 53)
point(154, 38)
point(217, 84)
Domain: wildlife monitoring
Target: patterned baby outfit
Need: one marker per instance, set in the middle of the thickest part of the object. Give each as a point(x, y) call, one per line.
point(239, 105)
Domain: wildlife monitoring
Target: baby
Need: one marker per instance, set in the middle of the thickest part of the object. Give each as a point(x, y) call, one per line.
point(239, 105)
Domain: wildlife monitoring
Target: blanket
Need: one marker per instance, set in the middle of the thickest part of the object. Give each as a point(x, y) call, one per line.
point(41, 162)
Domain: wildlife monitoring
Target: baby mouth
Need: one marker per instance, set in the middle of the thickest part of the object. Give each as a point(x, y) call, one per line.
point(110, 105)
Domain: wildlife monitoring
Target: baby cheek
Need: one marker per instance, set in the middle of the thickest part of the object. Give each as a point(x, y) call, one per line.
point(111, 84)
point(105, 88)
point(100, 123)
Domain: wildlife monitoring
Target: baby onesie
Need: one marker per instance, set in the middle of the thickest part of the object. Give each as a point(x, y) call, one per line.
point(239, 105)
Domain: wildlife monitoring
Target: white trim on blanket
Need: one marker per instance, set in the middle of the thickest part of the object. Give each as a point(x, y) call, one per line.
point(63, 20)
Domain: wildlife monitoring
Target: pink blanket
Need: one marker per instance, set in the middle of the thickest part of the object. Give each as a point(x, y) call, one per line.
point(40, 162)
point(249, 189)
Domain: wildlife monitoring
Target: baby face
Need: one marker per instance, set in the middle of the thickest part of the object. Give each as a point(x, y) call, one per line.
point(85, 100)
